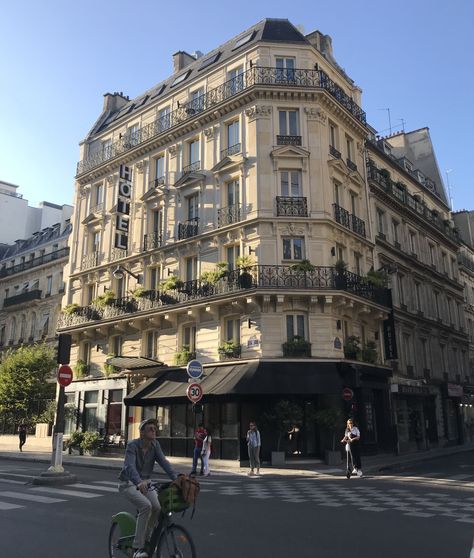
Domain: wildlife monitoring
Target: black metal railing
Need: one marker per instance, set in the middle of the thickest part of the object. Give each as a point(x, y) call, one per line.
point(228, 215)
point(288, 140)
point(157, 182)
point(152, 240)
point(192, 167)
point(35, 262)
point(188, 228)
point(466, 261)
point(253, 77)
point(300, 348)
point(27, 296)
point(399, 191)
point(288, 206)
point(334, 152)
point(231, 150)
point(348, 220)
point(271, 277)
point(351, 165)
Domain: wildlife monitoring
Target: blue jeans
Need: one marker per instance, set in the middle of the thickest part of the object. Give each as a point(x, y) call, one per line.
point(197, 455)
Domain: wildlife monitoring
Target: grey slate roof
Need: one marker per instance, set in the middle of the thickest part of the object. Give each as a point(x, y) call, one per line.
point(268, 30)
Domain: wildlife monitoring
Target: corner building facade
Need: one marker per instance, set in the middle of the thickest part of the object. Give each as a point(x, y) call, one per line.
point(252, 155)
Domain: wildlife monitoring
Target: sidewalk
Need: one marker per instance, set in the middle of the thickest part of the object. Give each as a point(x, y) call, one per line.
point(39, 450)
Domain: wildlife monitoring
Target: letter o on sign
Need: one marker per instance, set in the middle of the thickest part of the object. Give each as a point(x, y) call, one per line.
point(194, 392)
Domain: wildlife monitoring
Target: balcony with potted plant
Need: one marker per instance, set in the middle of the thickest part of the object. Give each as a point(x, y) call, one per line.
point(229, 350)
point(297, 347)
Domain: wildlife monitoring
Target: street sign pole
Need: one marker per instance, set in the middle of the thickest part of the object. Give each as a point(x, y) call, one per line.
point(58, 433)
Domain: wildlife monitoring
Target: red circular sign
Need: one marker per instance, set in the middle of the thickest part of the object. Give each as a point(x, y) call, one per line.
point(347, 394)
point(194, 392)
point(64, 375)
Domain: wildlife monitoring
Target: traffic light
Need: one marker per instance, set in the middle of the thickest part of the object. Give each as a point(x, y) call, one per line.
point(64, 348)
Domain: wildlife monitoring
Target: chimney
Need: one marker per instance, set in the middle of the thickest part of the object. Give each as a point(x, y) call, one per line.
point(181, 59)
point(114, 101)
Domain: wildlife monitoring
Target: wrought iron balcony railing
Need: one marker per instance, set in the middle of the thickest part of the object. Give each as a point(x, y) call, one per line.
point(288, 140)
point(466, 261)
point(231, 150)
point(398, 191)
point(152, 240)
point(192, 167)
point(99, 208)
point(334, 152)
point(90, 260)
point(253, 77)
point(267, 277)
point(228, 215)
point(117, 254)
point(348, 220)
point(288, 206)
point(351, 165)
point(157, 182)
point(21, 298)
point(35, 262)
point(188, 228)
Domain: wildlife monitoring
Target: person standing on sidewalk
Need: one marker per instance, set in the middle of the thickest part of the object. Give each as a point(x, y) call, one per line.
point(199, 436)
point(22, 430)
point(140, 457)
point(206, 451)
point(352, 439)
point(253, 444)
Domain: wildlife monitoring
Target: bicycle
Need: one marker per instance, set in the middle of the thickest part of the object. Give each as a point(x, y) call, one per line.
point(168, 540)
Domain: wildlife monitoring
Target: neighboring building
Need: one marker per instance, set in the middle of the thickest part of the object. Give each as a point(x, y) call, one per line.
point(32, 285)
point(417, 243)
point(464, 221)
point(20, 221)
point(255, 150)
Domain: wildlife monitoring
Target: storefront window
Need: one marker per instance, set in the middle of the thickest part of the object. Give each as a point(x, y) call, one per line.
point(164, 423)
point(114, 412)
point(89, 421)
point(178, 421)
point(230, 421)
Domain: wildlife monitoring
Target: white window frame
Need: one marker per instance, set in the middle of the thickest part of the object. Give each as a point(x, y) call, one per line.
point(290, 241)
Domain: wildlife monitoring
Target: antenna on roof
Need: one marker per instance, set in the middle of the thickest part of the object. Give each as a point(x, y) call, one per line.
point(389, 119)
point(402, 120)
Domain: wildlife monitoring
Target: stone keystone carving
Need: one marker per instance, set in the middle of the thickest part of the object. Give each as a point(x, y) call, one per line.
point(313, 113)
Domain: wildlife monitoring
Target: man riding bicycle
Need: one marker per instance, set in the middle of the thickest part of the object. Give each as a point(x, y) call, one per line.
point(140, 457)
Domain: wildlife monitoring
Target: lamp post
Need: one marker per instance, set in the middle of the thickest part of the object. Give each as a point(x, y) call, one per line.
point(119, 272)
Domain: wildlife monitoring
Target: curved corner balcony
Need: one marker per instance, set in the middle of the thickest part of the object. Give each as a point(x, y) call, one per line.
point(257, 76)
point(258, 277)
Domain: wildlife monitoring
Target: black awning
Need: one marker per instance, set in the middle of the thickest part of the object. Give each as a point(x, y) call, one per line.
point(141, 365)
point(246, 378)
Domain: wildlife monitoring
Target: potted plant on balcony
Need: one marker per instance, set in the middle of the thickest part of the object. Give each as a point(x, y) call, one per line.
point(330, 420)
point(90, 443)
point(297, 347)
point(212, 277)
point(103, 300)
point(181, 358)
point(168, 288)
point(139, 292)
point(340, 279)
point(244, 264)
point(282, 418)
point(229, 349)
point(110, 369)
point(72, 308)
point(81, 369)
point(377, 278)
point(369, 352)
point(352, 347)
point(303, 266)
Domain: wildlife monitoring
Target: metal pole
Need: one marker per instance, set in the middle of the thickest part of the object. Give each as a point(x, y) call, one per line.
point(58, 432)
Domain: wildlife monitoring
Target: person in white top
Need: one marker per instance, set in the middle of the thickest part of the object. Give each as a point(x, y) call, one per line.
point(206, 452)
point(352, 440)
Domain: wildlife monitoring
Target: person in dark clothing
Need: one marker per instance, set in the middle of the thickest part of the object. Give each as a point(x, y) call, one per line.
point(352, 440)
point(199, 436)
point(22, 430)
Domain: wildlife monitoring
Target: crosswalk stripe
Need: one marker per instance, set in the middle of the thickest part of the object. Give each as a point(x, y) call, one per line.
point(108, 483)
point(11, 481)
point(5, 506)
point(30, 497)
point(62, 492)
point(93, 486)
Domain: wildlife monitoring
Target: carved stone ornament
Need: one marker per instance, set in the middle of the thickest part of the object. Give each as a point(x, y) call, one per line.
point(110, 180)
point(258, 111)
point(173, 150)
point(292, 230)
point(360, 148)
point(141, 166)
point(209, 132)
point(313, 113)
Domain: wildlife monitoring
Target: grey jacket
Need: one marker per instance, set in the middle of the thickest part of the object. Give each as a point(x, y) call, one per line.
point(138, 466)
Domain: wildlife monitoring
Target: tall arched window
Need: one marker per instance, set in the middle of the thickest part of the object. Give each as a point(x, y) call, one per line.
point(13, 330)
point(33, 326)
point(23, 328)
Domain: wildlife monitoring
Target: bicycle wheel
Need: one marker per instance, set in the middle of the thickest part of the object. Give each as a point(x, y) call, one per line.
point(175, 542)
point(116, 551)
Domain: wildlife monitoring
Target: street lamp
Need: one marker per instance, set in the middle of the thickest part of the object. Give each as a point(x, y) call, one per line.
point(119, 272)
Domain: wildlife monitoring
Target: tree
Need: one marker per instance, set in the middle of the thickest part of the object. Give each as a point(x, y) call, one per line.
point(27, 382)
point(283, 416)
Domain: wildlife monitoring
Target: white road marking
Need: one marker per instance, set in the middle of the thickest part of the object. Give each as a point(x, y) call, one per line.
point(5, 506)
point(93, 486)
point(11, 481)
point(62, 492)
point(30, 497)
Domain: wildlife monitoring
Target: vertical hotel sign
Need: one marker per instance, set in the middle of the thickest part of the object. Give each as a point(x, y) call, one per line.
point(390, 339)
point(122, 220)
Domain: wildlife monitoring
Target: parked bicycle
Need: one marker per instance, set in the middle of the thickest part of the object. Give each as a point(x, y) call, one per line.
point(168, 540)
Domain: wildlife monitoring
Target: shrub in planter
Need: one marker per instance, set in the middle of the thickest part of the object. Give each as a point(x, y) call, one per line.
point(110, 369)
point(72, 308)
point(303, 266)
point(90, 441)
point(244, 264)
point(182, 357)
point(140, 292)
point(377, 278)
point(213, 276)
point(330, 420)
point(81, 369)
point(229, 349)
point(298, 346)
point(172, 283)
point(75, 442)
point(284, 416)
point(106, 299)
point(369, 352)
point(352, 347)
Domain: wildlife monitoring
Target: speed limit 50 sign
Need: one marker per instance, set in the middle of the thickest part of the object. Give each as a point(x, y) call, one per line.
point(194, 392)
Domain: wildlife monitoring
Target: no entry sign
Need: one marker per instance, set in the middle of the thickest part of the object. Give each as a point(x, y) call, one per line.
point(347, 394)
point(64, 375)
point(194, 392)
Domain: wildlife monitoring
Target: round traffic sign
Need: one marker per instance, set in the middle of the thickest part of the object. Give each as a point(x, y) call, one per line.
point(194, 392)
point(64, 375)
point(194, 368)
point(347, 394)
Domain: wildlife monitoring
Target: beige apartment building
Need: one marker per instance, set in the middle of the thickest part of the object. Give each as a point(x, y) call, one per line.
point(251, 156)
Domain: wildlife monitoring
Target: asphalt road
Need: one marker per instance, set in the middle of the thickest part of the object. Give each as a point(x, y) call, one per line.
point(425, 511)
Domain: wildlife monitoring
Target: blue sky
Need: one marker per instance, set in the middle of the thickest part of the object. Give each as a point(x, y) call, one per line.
point(58, 58)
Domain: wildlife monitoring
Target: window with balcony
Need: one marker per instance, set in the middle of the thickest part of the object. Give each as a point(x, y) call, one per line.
point(131, 136)
point(357, 262)
point(285, 69)
point(232, 253)
point(85, 352)
point(295, 326)
point(164, 119)
point(381, 222)
point(333, 137)
point(291, 202)
point(232, 330)
point(193, 206)
point(413, 243)
point(194, 156)
point(337, 193)
point(235, 80)
point(350, 152)
point(153, 278)
point(49, 285)
point(419, 306)
point(233, 192)
point(189, 337)
point(290, 183)
point(116, 345)
point(231, 212)
point(154, 238)
point(33, 326)
point(293, 248)
point(197, 101)
point(191, 268)
point(232, 139)
point(159, 169)
point(396, 233)
point(107, 149)
point(150, 351)
point(90, 290)
point(289, 128)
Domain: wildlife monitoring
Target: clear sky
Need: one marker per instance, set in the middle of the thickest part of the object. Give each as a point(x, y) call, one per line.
point(58, 57)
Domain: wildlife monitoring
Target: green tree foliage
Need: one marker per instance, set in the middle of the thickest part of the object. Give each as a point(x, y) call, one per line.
point(25, 375)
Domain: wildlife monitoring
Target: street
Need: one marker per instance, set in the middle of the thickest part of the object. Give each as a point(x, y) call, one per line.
point(425, 510)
